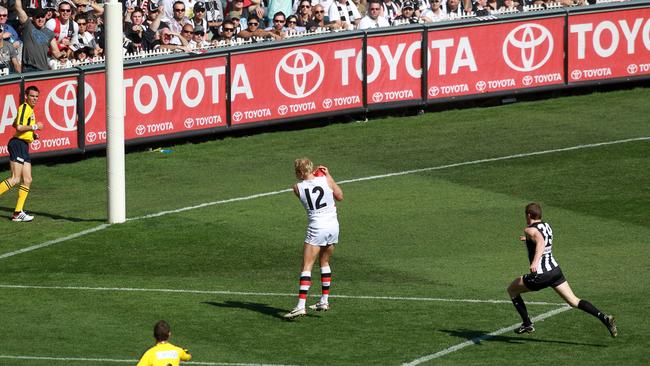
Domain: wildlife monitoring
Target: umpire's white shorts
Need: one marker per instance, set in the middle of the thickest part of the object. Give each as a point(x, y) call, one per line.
point(322, 236)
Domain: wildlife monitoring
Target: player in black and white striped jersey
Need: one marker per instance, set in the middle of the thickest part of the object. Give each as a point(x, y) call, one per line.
point(545, 272)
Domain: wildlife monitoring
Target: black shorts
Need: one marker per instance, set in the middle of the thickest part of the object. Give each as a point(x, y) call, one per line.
point(536, 282)
point(19, 151)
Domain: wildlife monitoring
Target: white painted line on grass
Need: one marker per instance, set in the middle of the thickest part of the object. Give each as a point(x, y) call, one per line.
point(478, 339)
point(489, 160)
point(241, 293)
point(381, 176)
point(83, 359)
point(55, 241)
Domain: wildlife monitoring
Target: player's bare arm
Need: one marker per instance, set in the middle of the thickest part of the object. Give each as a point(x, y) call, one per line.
point(534, 235)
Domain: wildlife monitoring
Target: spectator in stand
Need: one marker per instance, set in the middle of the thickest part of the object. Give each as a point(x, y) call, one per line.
point(304, 12)
point(292, 24)
point(480, 8)
point(435, 14)
point(64, 28)
point(165, 38)
point(361, 6)
point(187, 31)
point(179, 19)
point(279, 20)
point(408, 14)
point(373, 18)
point(89, 6)
point(390, 10)
point(253, 31)
point(153, 12)
point(493, 6)
point(238, 11)
point(167, 7)
point(132, 42)
point(82, 55)
point(319, 19)
point(84, 39)
point(421, 6)
point(197, 41)
point(133, 21)
point(9, 33)
point(284, 6)
point(8, 56)
point(214, 15)
point(238, 24)
point(344, 14)
point(91, 29)
point(227, 31)
point(454, 10)
point(257, 7)
point(50, 8)
point(198, 20)
point(510, 5)
point(37, 40)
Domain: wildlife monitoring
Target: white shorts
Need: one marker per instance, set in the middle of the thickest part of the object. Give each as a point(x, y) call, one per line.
point(322, 236)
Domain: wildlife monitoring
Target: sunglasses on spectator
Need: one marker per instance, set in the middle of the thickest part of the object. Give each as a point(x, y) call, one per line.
point(292, 22)
point(375, 9)
point(186, 31)
point(179, 9)
point(81, 23)
point(3, 15)
point(65, 10)
point(278, 20)
point(39, 16)
point(199, 11)
point(305, 6)
point(320, 12)
point(228, 29)
point(253, 24)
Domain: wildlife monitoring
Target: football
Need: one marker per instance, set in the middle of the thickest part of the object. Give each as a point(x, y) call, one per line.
point(319, 172)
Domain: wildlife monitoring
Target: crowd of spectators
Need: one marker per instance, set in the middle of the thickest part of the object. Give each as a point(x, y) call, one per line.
point(40, 35)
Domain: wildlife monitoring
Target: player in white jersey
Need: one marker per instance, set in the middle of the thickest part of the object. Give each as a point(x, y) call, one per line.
point(545, 272)
point(317, 192)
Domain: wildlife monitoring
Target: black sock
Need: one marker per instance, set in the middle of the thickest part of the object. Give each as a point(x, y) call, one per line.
point(586, 306)
point(518, 302)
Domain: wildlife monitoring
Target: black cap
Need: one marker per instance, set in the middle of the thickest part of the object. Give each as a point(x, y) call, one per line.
point(39, 13)
point(199, 5)
point(153, 7)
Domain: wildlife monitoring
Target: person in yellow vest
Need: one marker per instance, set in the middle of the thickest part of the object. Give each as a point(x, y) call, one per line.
point(19, 160)
point(163, 353)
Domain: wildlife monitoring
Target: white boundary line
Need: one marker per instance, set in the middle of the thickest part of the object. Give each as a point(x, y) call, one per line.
point(478, 339)
point(246, 198)
point(83, 359)
point(210, 292)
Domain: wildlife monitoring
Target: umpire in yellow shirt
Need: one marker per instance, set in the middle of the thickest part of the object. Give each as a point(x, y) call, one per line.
point(19, 161)
point(163, 353)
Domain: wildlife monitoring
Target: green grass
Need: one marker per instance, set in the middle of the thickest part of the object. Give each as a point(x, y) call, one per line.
point(448, 233)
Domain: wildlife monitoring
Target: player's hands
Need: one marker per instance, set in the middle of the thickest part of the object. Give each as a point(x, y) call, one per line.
point(324, 169)
point(40, 125)
point(533, 269)
point(522, 237)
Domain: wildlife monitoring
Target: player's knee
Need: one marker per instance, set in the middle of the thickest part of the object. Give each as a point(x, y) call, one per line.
point(27, 181)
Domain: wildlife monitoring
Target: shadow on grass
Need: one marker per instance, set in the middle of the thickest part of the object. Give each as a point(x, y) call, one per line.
point(477, 336)
point(260, 308)
point(10, 210)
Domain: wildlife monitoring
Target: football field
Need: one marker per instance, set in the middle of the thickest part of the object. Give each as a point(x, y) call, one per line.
point(430, 223)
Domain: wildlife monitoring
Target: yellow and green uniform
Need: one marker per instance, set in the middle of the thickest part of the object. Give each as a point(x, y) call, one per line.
point(164, 354)
point(25, 117)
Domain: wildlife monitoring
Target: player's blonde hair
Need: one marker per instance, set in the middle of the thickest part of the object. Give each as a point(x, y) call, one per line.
point(303, 167)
